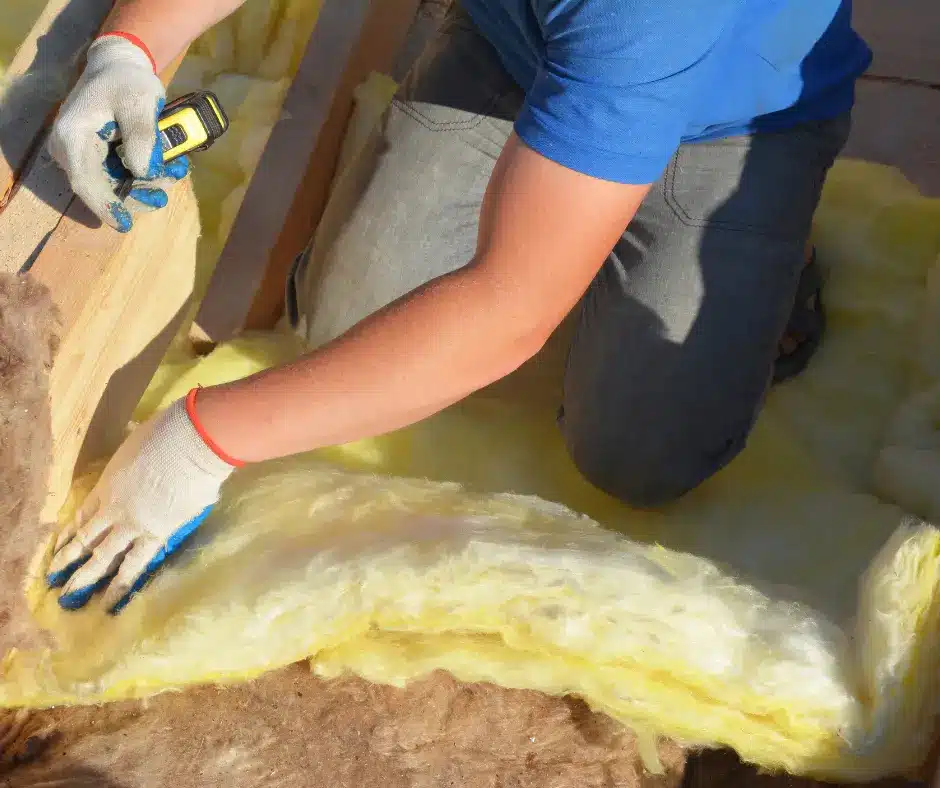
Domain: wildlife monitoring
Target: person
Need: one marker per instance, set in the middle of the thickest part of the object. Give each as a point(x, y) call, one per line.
point(652, 164)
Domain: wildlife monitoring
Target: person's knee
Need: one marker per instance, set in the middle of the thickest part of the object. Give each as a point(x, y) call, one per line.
point(643, 471)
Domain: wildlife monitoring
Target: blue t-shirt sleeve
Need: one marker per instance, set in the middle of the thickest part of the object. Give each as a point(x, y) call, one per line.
point(618, 80)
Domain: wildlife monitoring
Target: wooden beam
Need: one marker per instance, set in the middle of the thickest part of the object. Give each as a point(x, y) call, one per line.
point(289, 190)
point(45, 66)
point(122, 298)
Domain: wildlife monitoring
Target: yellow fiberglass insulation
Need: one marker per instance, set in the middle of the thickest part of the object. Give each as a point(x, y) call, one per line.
point(789, 608)
point(248, 60)
point(18, 18)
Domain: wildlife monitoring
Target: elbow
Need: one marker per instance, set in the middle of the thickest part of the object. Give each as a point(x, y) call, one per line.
point(537, 337)
point(525, 341)
point(523, 320)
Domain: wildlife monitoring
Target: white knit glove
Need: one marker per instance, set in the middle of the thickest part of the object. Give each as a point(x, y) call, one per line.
point(118, 95)
point(156, 490)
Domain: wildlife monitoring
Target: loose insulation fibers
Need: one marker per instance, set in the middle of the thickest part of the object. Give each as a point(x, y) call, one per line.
point(782, 609)
point(290, 729)
point(28, 341)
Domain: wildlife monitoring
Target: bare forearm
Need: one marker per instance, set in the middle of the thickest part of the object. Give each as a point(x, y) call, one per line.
point(167, 27)
point(408, 361)
point(544, 232)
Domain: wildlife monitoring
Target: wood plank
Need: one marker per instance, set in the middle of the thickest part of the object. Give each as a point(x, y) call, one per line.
point(122, 299)
point(41, 188)
point(289, 190)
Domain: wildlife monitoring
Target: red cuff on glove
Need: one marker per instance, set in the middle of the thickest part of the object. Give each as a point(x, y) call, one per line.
point(136, 42)
point(216, 449)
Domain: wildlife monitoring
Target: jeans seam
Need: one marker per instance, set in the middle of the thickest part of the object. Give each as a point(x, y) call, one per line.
point(458, 125)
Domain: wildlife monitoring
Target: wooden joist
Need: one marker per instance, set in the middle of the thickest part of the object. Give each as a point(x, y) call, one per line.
point(122, 300)
point(121, 297)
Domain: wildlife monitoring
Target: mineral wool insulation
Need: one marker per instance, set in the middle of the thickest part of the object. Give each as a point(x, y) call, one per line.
point(788, 608)
point(28, 342)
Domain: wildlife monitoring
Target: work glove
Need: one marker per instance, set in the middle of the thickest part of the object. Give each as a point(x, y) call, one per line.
point(154, 493)
point(118, 95)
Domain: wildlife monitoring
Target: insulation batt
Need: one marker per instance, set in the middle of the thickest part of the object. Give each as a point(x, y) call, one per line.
point(784, 609)
point(248, 61)
point(28, 341)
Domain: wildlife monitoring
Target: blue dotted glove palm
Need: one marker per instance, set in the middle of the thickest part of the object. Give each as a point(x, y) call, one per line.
point(118, 95)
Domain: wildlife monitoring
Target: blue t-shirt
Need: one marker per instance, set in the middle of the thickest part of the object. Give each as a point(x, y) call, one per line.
point(613, 86)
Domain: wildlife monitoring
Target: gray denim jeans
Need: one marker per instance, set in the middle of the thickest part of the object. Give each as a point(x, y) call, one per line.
point(675, 339)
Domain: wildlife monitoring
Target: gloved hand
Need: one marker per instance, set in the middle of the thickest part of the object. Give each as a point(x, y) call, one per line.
point(118, 94)
point(156, 490)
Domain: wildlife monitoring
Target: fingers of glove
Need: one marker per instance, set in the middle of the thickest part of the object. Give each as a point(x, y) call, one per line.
point(94, 173)
point(76, 600)
point(139, 199)
point(120, 217)
point(144, 560)
point(165, 175)
point(98, 194)
point(142, 149)
point(150, 194)
point(136, 570)
point(98, 570)
point(80, 127)
point(76, 550)
point(115, 169)
point(142, 200)
point(109, 131)
point(86, 512)
point(173, 171)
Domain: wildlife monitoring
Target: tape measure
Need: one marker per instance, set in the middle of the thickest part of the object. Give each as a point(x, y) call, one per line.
point(188, 124)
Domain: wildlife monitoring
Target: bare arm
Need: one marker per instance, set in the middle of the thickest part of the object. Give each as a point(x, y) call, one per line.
point(544, 233)
point(167, 27)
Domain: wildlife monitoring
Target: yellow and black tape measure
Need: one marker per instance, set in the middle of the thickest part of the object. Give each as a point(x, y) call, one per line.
point(188, 124)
